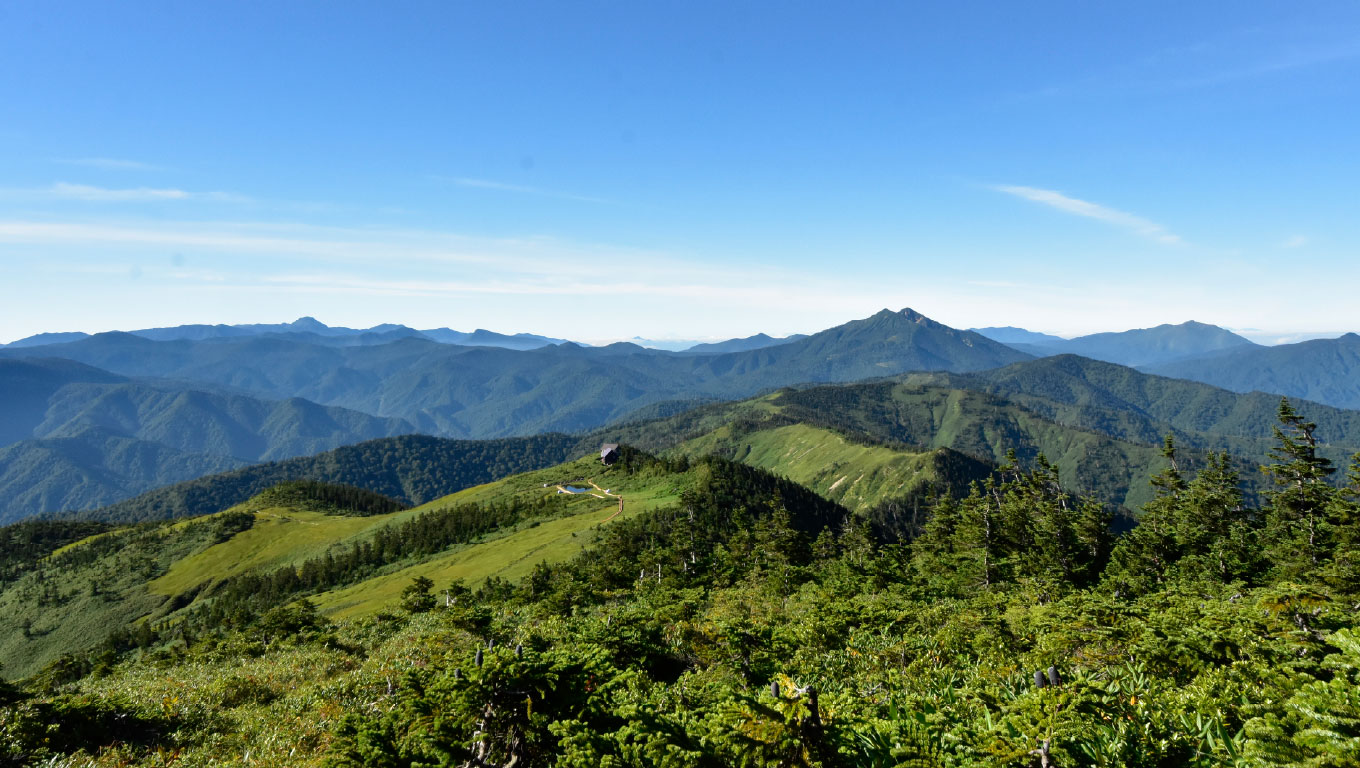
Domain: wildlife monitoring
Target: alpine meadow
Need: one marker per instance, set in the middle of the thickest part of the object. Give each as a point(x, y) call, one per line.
point(679, 385)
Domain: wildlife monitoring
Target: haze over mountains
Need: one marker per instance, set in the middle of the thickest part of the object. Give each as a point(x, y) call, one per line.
point(1137, 348)
point(311, 329)
point(1323, 370)
point(92, 420)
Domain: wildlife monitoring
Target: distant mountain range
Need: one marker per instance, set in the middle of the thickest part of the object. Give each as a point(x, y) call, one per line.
point(1322, 370)
point(313, 330)
point(860, 444)
point(1009, 334)
point(1136, 348)
point(90, 421)
point(177, 408)
point(1325, 370)
point(758, 341)
point(463, 391)
point(75, 437)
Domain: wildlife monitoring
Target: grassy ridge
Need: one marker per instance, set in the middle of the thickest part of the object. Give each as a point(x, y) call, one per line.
point(853, 475)
point(156, 572)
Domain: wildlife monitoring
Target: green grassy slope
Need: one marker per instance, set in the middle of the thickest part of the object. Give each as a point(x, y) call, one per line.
point(513, 554)
point(854, 475)
point(903, 420)
point(158, 572)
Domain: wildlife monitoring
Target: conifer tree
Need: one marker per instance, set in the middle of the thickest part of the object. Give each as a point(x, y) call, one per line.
point(1215, 529)
point(417, 597)
point(1320, 727)
point(1298, 533)
point(1142, 558)
point(1344, 513)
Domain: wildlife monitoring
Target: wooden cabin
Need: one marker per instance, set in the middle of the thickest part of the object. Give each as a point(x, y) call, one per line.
point(609, 453)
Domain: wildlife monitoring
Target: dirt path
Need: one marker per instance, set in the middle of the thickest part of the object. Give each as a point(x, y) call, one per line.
point(606, 494)
point(617, 512)
point(602, 490)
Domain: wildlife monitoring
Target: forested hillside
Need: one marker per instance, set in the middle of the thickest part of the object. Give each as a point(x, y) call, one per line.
point(1323, 370)
point(740, 621)
point(1108, 458)
point(414, 468)
point(73, 437)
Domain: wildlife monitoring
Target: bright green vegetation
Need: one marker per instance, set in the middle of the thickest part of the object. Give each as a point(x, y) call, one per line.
point(1099, 423)
point(856, 476)
point(510, 557)
point(514, 555)
point(743, 620)
point(108, 580)
point(279, 536)
point(906, 419)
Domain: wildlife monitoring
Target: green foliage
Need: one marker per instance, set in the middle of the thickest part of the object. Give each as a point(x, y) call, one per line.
point(337, 498)
point(23, 544)
point(417, 598)
point(1299, 533)
point(1200, 530)
point(1320, 723)
point(413, 469)
point(1018, 526)
point(657, 644)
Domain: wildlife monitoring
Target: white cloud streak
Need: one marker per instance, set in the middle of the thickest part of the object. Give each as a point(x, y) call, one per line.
point(109, 164)
point(87, 193)
point(464, 181)
point(341, 262)
point(1077, 207)
point(101, 195)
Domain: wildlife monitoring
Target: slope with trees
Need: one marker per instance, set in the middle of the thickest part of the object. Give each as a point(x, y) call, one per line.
point(746, 623)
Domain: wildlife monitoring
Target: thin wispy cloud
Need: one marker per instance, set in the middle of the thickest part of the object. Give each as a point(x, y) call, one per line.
point(471, 183)
point(338, 262)
point(103, 195)
point(1236, 55)
point(1297, 241)
point(1084, 208)
point(109, 163)
point(1299, 58)
point(89, 193)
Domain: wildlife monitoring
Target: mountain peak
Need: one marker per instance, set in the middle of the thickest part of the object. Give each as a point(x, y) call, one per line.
point(308, 322)
point(906, 313)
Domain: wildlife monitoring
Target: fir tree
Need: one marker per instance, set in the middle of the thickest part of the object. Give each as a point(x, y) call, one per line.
point(417, 597)
point(1298, 534)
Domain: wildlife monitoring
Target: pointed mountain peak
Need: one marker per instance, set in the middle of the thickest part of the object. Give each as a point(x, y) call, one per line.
point(309, 322)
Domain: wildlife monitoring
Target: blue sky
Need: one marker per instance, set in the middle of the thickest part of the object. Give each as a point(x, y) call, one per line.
point(679, 170)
